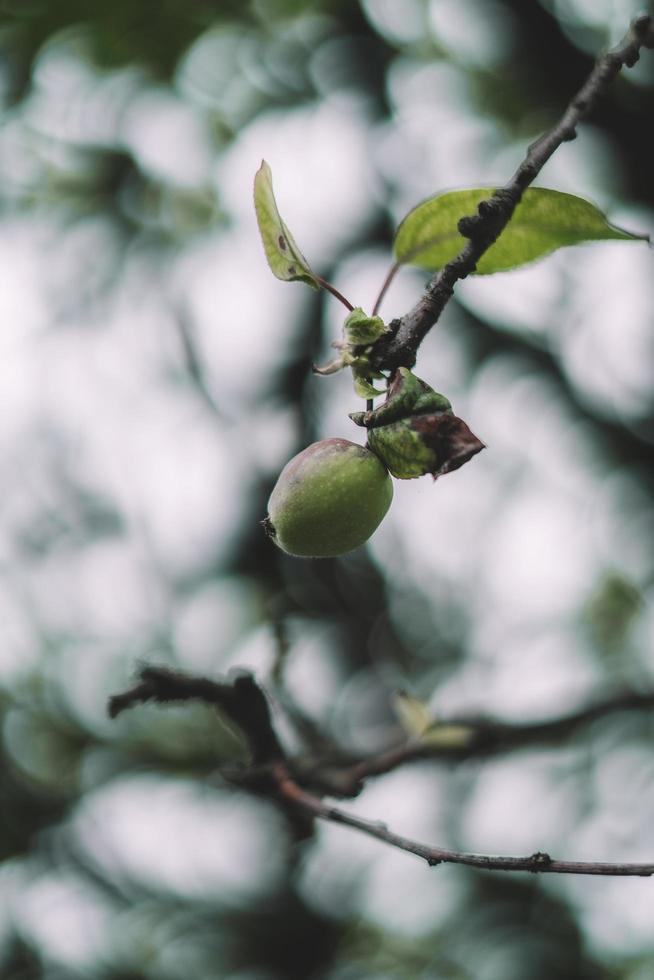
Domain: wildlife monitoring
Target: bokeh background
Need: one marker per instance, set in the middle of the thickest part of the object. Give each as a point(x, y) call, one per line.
point(155, 377)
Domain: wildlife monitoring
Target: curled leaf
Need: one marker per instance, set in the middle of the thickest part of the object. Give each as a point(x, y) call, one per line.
point(437, 444)
point(361, 329)
point(415, 431)
point(284, 257)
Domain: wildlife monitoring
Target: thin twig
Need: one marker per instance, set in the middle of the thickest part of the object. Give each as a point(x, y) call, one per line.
point(482, 229)
point(538, 862)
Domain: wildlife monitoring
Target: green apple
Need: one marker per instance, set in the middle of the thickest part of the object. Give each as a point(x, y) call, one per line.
point(328, 500)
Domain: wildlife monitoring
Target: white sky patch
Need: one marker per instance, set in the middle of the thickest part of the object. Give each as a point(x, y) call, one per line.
point(401, 24)
point(605, 336)
point(74, 101)
point(178, 836)
point(537, 559)
point(644, 636)
point(212, 620)
point(162, 459)
point(477, 34)
point(255, 652)
point(18, 646)
point(245, 318)
point(215, 73)
point(608, 17)
point(22, 309)
point(169, 138)
point(589, 166)
point(522, 674)
point(526, 300)
point(518, 806)
point(106, 589)
point(622, 519)
point(349, 871)
point(434, 142)
point(69, 920)
point(404, 895)
point(618, 917)
point(313, 674)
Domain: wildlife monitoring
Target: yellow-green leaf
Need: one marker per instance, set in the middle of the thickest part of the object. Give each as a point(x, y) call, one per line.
point(543, 221)
point(413, 714)
point(284, 257)
point(448, 736)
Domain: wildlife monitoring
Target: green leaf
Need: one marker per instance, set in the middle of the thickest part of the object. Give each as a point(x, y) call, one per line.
point(284, 257)
point(543, 221)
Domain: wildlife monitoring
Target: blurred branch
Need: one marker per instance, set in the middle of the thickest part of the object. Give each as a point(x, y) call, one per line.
point(494, 214)
point(482, 738)
point(241, 700)
point(244, 702)
point(192, 361)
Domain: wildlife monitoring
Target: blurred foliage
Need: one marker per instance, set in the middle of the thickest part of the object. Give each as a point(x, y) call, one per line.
point(138, 452)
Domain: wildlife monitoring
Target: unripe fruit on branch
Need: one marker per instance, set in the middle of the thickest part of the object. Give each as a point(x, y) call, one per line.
point(328, 500)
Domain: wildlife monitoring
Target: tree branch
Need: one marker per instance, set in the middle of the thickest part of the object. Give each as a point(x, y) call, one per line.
point(483, 739)
point(538, 862)
point(244, 702)
point(241, 699)
point(482, 229)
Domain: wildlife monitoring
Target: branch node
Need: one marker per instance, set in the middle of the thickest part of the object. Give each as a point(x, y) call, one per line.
point(468, 225)
point(539, 861)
